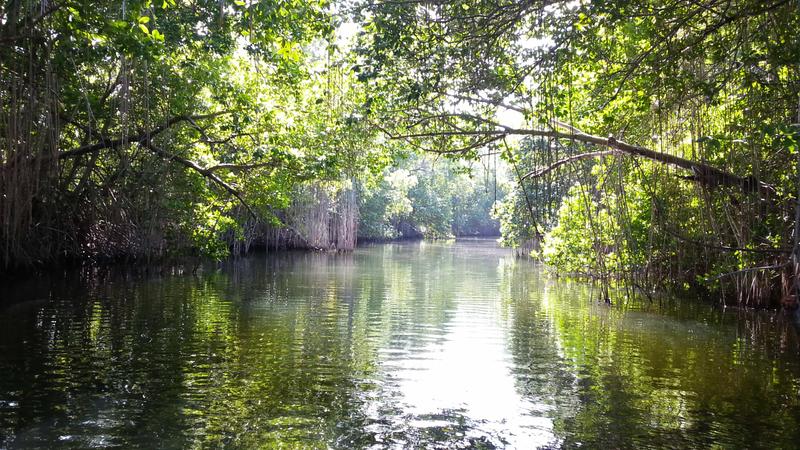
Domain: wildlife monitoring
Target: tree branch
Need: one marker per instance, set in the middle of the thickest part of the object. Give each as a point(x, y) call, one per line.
point(138, 138)
point(208, 173)
point(702, 173)
point(230, 166)
point(545, 170)
point(141, 137)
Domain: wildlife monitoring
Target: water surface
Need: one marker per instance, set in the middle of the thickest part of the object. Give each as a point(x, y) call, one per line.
point(404, 345)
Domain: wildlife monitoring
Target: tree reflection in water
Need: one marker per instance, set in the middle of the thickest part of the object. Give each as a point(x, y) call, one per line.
point(409, 344)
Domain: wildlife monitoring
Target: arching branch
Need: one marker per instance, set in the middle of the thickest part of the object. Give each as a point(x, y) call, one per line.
point(238, 167)
point(206, 172)
point(139, 137)
point(701, 172)
point(545, 170)
point(121, 141)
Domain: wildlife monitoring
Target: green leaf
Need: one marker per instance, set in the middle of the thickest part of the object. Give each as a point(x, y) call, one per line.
point(144, 28)
point(144, 19)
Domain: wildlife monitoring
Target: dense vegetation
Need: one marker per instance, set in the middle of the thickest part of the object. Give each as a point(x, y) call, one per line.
point(649, 143)
point(662, 137)
point(420, 197)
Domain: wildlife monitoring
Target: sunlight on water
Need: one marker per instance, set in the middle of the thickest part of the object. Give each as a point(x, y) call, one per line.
point(469, 371)
point(404, 345)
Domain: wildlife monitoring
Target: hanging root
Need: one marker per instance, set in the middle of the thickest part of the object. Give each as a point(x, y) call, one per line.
point(789, 292)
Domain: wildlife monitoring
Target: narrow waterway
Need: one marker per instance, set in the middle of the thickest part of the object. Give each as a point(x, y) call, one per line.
point(420, 345)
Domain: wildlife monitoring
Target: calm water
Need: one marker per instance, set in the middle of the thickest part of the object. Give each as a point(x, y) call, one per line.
point(404, 345)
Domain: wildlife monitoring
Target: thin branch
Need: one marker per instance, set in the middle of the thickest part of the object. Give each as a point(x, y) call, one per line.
point(202, 171)
point(142, 136)
point(727, 248)
point(498, 104)
point(235, 167)
point(122, 141)
point(749, 269)
point(545, 170)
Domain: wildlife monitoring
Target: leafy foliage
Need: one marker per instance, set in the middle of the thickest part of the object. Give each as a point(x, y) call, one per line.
point(708, 89)
point(178, 123)
point(431, 199)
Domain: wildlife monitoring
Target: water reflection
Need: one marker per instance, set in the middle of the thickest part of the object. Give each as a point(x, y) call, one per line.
point(400, 345)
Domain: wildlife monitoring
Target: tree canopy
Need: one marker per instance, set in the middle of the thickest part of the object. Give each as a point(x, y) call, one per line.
point(687, 111)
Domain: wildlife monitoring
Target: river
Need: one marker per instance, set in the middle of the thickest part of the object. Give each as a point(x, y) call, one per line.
point(400, 345)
